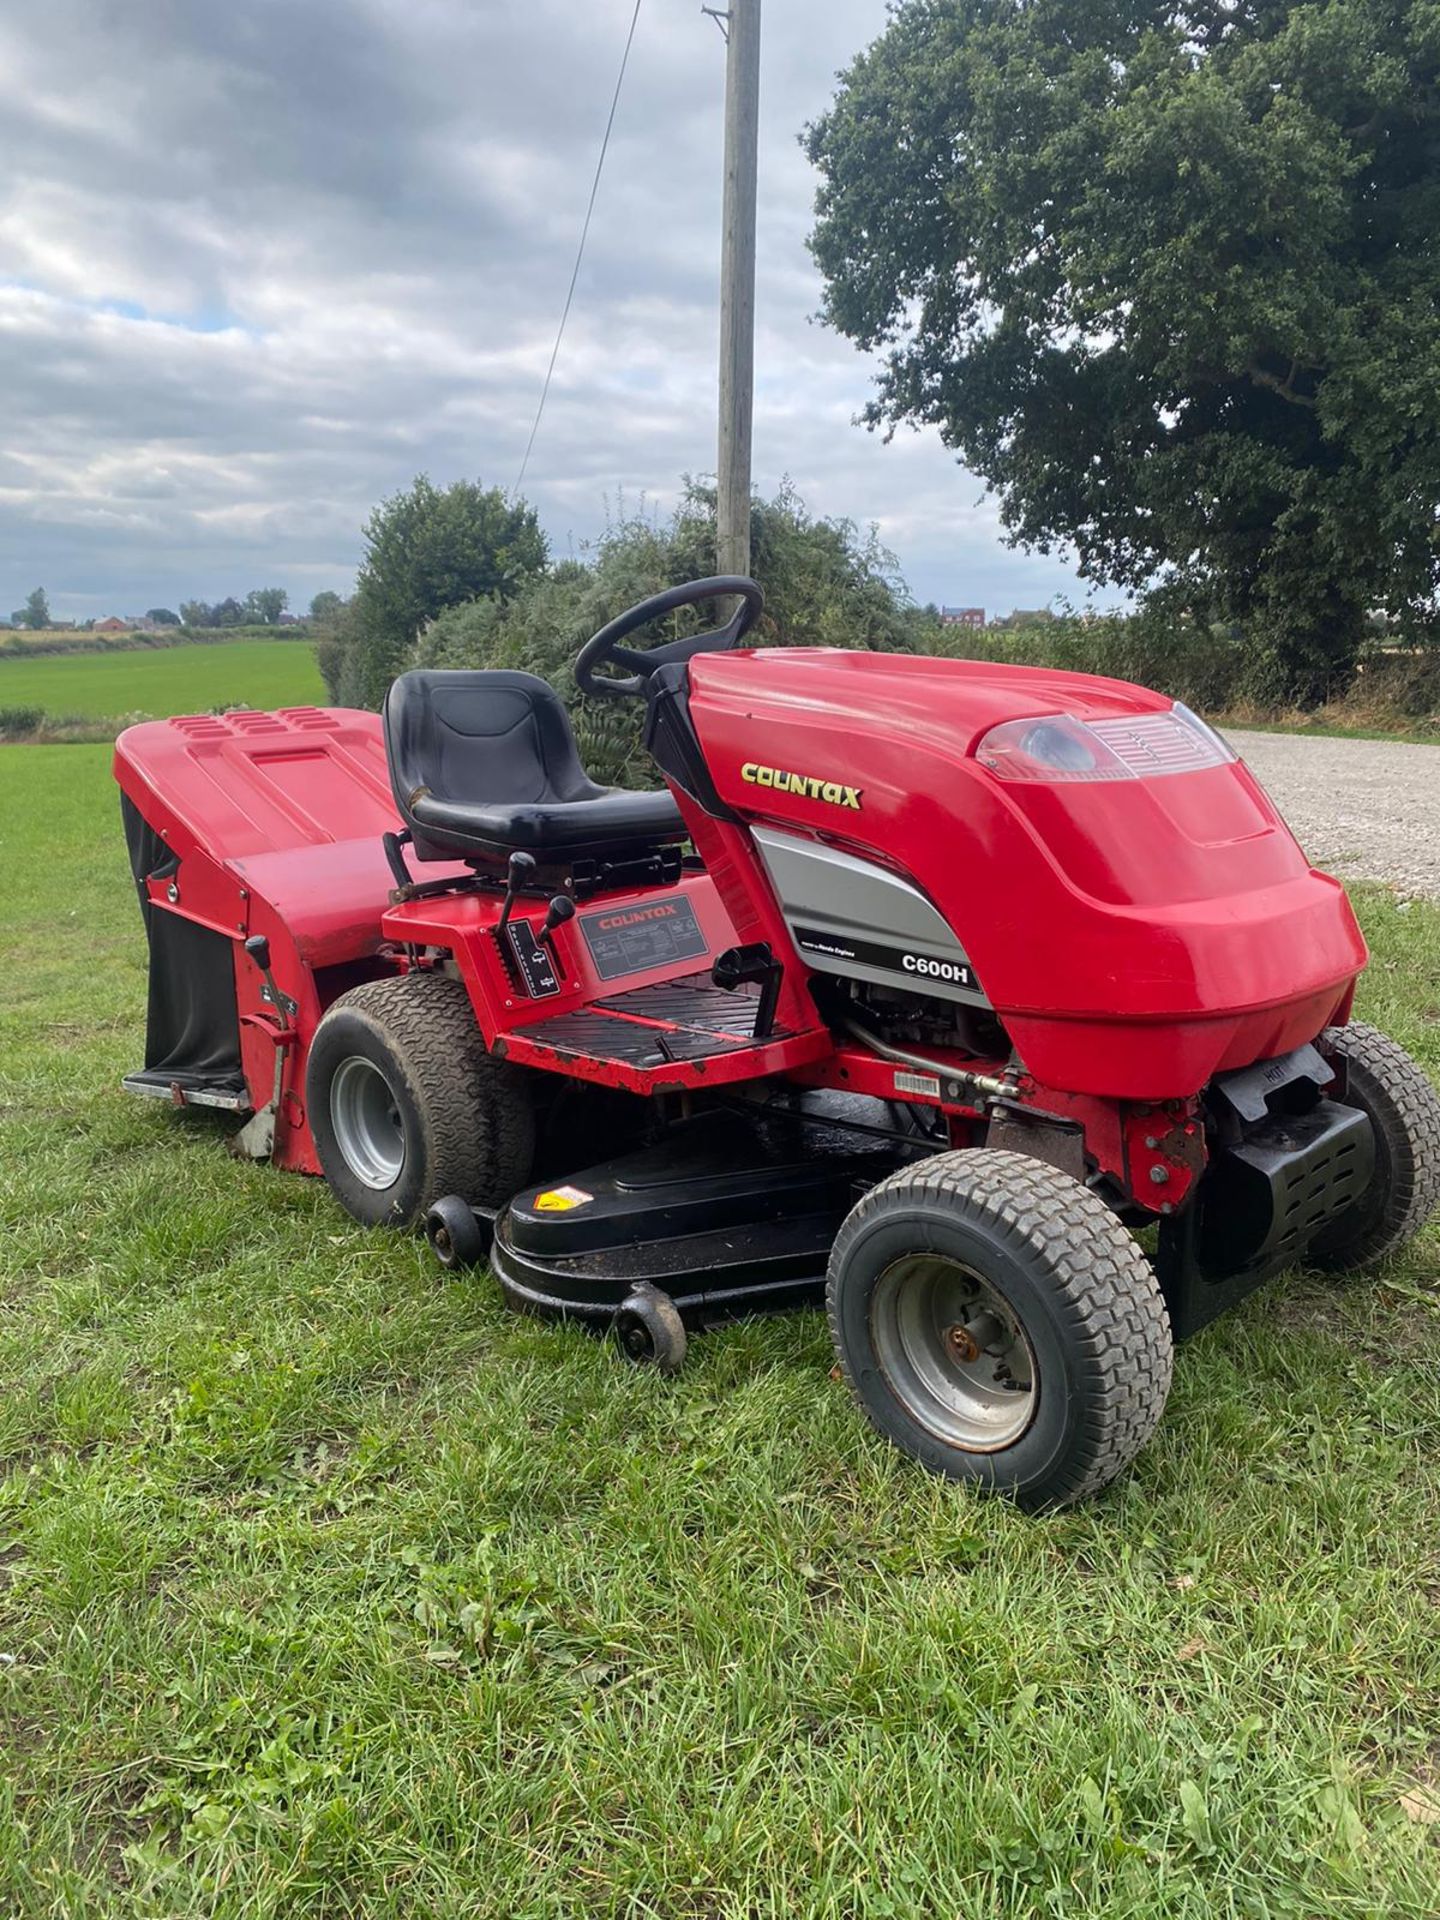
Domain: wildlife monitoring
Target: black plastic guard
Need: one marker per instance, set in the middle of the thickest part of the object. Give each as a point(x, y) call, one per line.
point(1259, 1206)
point(192, 1032)
point(672, 742)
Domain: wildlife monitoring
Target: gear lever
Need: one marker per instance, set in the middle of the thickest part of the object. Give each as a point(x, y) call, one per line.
point(518, 870)
point(561, 909)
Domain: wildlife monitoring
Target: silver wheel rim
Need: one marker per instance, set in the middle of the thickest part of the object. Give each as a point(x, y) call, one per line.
point(366, 1118)
point(954, 1353)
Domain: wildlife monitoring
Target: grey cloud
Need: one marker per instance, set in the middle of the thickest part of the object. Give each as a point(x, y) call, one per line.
point(260, 263)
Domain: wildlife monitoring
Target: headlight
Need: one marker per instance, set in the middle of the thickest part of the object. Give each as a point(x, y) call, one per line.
point(1057, 747)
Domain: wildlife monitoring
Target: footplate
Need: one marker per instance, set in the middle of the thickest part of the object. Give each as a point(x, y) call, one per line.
point(683, 1032)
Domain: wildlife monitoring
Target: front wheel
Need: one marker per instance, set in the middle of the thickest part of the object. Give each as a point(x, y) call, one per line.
point(997, 1322)
point(1404, 1113)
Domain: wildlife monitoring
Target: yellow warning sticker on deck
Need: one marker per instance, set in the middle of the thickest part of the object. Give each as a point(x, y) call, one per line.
point(562, 1199)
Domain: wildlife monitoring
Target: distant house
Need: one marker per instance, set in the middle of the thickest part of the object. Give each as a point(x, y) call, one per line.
point(962, 616)
point(289, 620)
point(112, 625)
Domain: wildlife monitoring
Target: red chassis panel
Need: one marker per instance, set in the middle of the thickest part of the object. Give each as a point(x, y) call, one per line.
point(276, 820)
point(594, 1027)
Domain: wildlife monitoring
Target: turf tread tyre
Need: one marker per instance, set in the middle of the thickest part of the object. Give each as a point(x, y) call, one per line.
point(1103, 1288)
point(475, 1114)
point(1404, 1110)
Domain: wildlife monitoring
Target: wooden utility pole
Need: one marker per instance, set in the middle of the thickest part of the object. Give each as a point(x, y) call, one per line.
point(737, 284)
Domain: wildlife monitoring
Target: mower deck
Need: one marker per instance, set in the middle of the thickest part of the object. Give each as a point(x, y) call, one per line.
point(731, 1213)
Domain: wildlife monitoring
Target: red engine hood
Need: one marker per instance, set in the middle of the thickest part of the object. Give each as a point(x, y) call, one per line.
point(952, 702)
point(1181, 899)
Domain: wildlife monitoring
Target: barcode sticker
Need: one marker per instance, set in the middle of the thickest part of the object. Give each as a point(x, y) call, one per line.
point(917, 1083)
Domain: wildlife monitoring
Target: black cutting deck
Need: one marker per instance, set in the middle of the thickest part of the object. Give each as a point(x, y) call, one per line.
point(731, 1212)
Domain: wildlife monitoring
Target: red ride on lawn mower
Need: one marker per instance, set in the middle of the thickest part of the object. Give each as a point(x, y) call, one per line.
point(933, 977)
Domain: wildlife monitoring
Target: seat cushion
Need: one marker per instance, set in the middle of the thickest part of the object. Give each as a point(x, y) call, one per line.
point(614, 817)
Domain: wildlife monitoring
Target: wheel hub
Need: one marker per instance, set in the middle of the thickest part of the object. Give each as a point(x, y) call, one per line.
point(954, 1352)
point(967, 1343)
point(365, 1115)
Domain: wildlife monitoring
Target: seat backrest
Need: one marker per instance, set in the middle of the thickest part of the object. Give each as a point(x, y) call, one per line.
point(480, 737)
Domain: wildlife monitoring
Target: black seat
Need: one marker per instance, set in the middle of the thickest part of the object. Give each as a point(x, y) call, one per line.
point(485, 763)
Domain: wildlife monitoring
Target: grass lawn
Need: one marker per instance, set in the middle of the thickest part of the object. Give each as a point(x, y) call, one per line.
point(330, 1587)
point(259, 673)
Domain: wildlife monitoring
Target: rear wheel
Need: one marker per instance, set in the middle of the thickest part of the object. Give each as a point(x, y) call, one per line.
point(405, 1104)
point(996, 1321)
point(1404, 1112)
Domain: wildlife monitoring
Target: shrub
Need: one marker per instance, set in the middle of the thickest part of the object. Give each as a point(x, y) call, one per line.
point(826, 584)
point(17, 722)
point(1407, 684)
point(1208, 667)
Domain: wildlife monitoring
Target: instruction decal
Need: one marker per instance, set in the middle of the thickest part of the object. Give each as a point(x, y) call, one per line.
point(645, 934)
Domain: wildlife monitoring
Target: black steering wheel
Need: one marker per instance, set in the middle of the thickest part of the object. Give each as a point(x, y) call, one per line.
point(604, 647)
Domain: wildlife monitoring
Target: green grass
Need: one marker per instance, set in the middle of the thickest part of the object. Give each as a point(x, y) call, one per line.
point(330, 1587)
point(166, 680)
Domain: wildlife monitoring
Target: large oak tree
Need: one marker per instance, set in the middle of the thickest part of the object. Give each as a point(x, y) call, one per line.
point(1168, 278)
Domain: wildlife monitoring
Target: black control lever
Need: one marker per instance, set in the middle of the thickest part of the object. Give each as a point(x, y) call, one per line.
point(561, 909)
point(392, 843)
point(517, 872)
point(258, 948)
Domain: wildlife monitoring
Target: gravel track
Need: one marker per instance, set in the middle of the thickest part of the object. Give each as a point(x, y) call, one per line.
point(1362, 809)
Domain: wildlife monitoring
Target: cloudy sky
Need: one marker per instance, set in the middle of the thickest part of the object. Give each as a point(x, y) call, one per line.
point(262, 261)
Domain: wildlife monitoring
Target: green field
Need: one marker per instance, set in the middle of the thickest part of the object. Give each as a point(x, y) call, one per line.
point(330, 1587)
point(253, 673)
point(17, 642)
